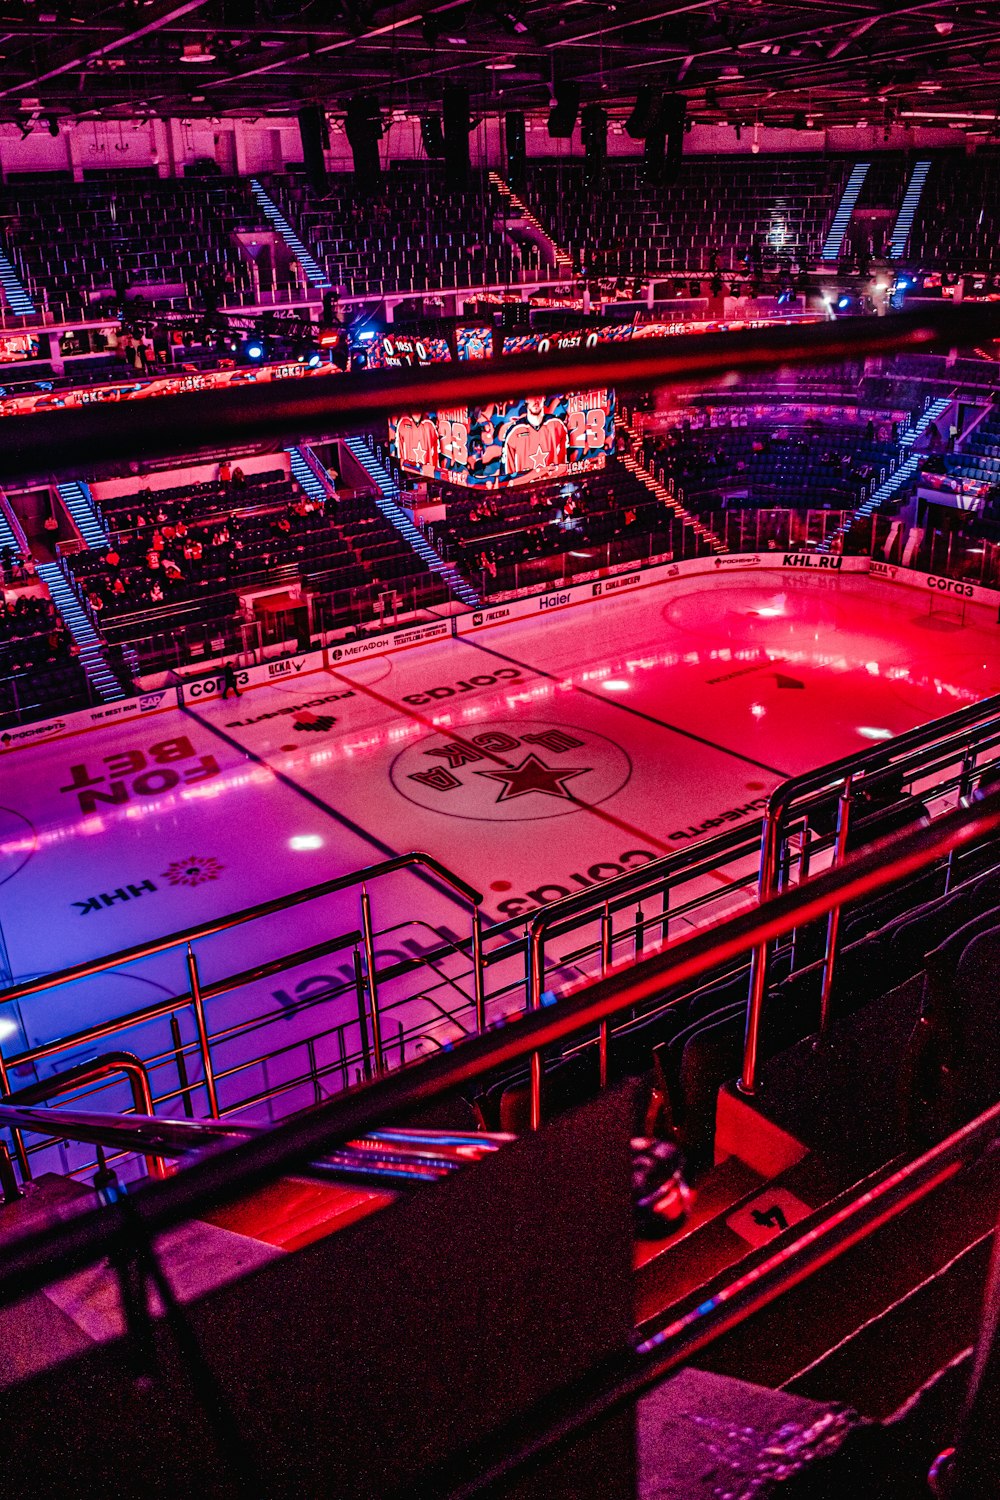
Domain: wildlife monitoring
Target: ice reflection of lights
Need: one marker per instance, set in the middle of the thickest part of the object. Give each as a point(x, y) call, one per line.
point(871, 732)
point(616, 685)
point(8, 1027)
point(758, 710)
point(301, 841)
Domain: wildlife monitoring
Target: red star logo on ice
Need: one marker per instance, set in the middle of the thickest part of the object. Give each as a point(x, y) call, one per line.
point(533, 775)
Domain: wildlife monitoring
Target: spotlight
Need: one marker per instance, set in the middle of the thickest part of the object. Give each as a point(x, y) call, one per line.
point(843, 302)
point(255, 349)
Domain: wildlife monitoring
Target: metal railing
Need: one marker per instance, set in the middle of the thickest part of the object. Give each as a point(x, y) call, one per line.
point(42, 1256)
point(360, 942)
point(508, 967)
point(943, 755)
point(388, 1160)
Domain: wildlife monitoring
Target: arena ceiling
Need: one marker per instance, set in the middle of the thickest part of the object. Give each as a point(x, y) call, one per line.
point(735, 61)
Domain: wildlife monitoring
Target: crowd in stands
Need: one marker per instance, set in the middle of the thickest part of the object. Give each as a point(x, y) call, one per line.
point(495, 537)
point(38, 658)
point(180, 558)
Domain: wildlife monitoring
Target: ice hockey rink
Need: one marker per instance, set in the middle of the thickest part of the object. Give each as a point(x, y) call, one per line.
point(535, 758)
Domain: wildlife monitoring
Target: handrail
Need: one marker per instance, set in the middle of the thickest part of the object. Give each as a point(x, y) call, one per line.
point(350, 402)
point(93, 966)
point(826, 778)
point(709, 852)
point(42, 1256)
point(94, 1070)
point(408, 1157)
point(817, 1240)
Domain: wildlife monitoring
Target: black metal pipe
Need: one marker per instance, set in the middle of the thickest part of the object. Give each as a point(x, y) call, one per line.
point(31, 445)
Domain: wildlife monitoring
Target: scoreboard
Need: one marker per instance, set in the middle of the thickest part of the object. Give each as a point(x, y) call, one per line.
point(521, 441)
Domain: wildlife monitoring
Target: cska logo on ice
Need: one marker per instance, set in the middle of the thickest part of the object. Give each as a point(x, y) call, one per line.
point(511, 771)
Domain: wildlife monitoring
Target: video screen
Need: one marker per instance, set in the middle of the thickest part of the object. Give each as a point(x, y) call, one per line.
point(16, 347)
point(392, 351)
point(500, 443)
point(474, 341)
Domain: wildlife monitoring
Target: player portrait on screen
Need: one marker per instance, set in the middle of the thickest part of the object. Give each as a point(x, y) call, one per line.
point(417, 442)
point(536, 443)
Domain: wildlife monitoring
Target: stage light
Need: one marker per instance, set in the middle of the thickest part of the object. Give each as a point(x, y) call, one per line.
point(843, 302)
point(255, 350)
point(313, 361)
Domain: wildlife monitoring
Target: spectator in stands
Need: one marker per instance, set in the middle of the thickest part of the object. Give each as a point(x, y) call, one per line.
point(239, 478)
point(225, 472)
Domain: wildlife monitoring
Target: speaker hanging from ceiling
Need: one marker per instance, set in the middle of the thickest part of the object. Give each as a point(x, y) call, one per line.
point(594, 129)
point(673, 110)
point(432, 135)
point(517, 148)
point(638, 121)
point(315, 135)
point(456, 122)
point(566, 105)
point(363, 125)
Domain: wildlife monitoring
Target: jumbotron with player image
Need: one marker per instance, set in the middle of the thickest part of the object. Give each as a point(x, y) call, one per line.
point(507, 442)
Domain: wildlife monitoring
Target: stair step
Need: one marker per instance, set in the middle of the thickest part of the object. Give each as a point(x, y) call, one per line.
point(845, 208)
point(315, 274)
point(91, 658)
point(907, 210)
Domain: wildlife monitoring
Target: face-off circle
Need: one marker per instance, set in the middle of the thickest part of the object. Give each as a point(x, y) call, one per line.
point(511, 771)
point(18, 842)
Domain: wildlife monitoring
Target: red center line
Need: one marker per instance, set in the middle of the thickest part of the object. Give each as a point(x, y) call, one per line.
point(476, 751)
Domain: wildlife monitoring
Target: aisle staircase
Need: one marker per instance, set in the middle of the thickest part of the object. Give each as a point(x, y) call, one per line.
point(845, 208)
point(386, 499)
point(657, 488)
point(931, 413)
point(517, 208)
point(77, 499)
point(315, 275)
point(92, 658)
point(306, 476)
point(16, 297)
point(8, 538)
point(907, 210)
point(901, 475)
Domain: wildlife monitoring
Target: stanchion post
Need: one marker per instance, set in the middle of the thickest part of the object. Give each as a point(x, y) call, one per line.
point(366, 928)
point(833, 921)
point(478, 976)
point(198, 1006)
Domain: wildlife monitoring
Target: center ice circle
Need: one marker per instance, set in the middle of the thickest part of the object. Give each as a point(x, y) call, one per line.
point(511, 771)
